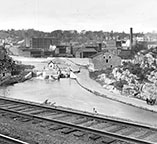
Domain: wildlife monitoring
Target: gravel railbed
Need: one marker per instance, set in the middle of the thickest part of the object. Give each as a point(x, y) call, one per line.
point(38, 133)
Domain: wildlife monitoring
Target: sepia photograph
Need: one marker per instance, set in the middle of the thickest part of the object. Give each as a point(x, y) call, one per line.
point(78, 72)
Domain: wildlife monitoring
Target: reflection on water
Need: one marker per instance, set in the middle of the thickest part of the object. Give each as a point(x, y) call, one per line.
point(68, 93)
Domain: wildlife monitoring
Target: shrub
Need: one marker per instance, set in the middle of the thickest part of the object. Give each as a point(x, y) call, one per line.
point(107, 71)
point(119, 84)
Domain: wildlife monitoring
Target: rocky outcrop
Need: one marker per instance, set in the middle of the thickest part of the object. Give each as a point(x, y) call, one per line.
point(137, 78)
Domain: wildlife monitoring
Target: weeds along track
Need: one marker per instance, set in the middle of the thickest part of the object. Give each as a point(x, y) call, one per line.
point(105, 130)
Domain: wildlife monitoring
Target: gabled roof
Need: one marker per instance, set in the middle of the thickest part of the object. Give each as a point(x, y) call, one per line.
point(99, 53)
point(103, 52)
point(50, 62)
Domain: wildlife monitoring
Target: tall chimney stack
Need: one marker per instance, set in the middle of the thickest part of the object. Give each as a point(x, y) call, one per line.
point(100, 47)
point(131, 37)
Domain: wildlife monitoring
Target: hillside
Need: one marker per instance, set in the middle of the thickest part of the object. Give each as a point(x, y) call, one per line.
point(134, 78)
point(11, 71)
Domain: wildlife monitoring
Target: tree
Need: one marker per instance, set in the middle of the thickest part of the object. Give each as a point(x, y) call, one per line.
point(138, 46)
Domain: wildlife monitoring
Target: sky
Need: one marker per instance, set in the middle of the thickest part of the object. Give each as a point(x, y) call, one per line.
point(95, 15)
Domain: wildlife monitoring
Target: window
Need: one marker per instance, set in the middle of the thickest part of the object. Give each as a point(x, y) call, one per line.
point(106, 60)
point(62, 50)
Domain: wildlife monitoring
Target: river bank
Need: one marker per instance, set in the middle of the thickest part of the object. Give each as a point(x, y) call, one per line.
point(96, 88)
point(68, 93)
point(24, 74)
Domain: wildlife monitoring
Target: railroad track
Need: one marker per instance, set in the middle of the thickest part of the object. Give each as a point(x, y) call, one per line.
point(9, 140)
point(80, 123)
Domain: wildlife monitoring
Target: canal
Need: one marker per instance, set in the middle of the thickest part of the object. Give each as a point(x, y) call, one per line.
point(68, 93)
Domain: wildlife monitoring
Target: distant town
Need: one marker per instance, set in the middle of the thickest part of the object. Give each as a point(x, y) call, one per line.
point(74, 44)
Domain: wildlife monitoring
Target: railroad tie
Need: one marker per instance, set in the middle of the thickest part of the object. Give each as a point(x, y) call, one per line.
point(94, 137)
point(56, 127)
point(107, 140)
point(68, 130)
point(78, 134)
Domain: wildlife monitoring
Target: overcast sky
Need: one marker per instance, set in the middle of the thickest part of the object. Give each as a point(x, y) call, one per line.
point(106, 15)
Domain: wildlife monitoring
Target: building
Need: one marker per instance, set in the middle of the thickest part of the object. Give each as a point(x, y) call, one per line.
point(152, 44)
point(88, 52)
point(52, 65)
point(63, 51)
point(85, 51)
point(41, 43)
point(51, 71)
point(113, 47)
point(126, 44)
point(120, 48)
point(141, 38)
point(35, 53)
point(38, 47)
point(77, 52)
point(27, 42)
point(103, 60)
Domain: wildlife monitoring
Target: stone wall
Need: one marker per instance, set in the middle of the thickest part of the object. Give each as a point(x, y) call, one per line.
point(106, 60)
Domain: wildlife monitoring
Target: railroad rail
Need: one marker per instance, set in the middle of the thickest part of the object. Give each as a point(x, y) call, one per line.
point(76, 121)
point(9, 140)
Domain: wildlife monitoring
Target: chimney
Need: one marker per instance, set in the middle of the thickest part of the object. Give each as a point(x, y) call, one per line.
point(100, 47)
point(131, 37)
point(71, 49)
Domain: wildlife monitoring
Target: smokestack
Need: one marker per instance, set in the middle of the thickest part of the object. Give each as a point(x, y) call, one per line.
point(71, 49)
point(131, 37)
point(100, 47)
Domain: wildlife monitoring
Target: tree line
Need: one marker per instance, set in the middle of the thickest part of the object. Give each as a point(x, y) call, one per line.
point(66, 36)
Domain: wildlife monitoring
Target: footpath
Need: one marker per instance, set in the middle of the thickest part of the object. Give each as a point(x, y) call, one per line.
point(94, 87)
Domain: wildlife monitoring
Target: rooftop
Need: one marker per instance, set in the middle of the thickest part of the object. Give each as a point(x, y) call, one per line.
point(88, 50)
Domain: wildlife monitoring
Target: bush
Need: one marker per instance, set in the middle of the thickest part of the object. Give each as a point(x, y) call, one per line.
point(138, 47)
point(95, 74)
point(137, 70)
point(119, 84)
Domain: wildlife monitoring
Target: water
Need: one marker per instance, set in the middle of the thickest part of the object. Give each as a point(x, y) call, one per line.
point(68, 93)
